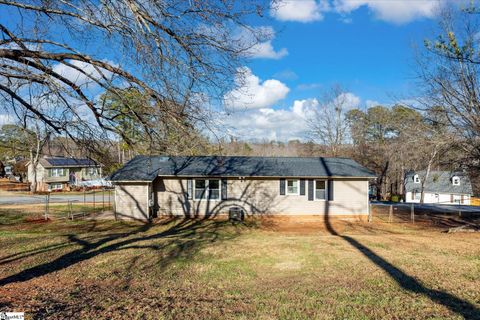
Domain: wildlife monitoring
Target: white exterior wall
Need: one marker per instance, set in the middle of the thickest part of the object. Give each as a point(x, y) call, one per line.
point(131, 201)
point(262, 196)
point(255, 196)
point(442, 198)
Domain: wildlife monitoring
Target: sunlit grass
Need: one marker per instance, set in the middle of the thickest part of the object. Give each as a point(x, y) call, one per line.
point(215, 269)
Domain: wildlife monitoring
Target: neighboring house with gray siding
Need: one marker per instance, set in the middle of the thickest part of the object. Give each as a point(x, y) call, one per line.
point(444, 187)
point(150, 186)
point(61, 173)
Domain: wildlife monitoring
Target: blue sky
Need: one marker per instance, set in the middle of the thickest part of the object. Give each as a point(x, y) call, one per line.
point(368, 56)
point(366, 46)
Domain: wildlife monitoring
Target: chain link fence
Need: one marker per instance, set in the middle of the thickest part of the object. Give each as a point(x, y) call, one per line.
point(73, 205)
point(436, 214)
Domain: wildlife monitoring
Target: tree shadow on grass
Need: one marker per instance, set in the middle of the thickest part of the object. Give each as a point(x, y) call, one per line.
point(407, 282)
point(180, 238)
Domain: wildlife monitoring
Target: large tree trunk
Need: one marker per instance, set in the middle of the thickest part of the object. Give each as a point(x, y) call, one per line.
point(34, 164)
point(381, 180)
point(402, 182)
point(424, 180)
point(35, 156)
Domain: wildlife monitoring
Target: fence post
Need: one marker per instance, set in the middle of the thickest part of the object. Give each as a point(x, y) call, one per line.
point(46, 206)
point(412, 212)
point(71, 209)
point(370, 212)
point(390, 214)
point(103, 199)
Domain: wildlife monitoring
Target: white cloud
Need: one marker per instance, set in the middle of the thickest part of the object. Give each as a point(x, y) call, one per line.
point(266, 50)
point(271, 124)
point(78, 77)
point(259, 41)
point(286, 75)
point(396, 11)
point(372, 103)
point(348, 100)
point(309, 86)
point(252, 93)
point(5, 119)
point(299, 10)
point(279, 124)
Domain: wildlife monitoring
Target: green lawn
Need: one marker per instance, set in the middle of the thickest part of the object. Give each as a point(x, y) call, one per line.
point(213, 269)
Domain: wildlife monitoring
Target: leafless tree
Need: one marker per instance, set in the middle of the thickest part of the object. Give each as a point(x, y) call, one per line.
point(41, 138)
point(449, 75)
point(328, 124)
point(178, 53)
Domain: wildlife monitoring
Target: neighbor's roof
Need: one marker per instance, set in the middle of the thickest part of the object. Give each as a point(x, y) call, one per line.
point(67, 162)
point(439, 182)
point(147, 168)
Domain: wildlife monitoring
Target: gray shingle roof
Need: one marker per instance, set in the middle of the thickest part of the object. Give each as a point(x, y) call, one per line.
point(67, 162)
point(147, 168)
point(439, 182)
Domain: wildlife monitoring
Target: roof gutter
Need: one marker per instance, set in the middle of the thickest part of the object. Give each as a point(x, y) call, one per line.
point(243, 177)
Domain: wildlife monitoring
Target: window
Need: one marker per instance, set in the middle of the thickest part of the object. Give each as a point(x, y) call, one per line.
point(207, 189)
point(92, 171)
point(200, 189)
point(416, 178)
point(456, 181)
point(55, 186)
point(456, 198)
point(57, 172)
point(214, 189)
point(418, 195)
point(292, 187)
point(320, 190)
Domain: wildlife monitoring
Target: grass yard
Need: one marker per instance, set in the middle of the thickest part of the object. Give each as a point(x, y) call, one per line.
point(263, 269)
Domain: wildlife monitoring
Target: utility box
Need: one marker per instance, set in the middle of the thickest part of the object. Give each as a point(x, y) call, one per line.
point(236, 214)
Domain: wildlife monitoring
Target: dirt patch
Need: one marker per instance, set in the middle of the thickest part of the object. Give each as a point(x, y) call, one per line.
point(312, 224)
point(36, 219)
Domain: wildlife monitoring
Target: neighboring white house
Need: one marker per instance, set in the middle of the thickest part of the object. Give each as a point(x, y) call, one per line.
point(444, 187)
point(60, 173)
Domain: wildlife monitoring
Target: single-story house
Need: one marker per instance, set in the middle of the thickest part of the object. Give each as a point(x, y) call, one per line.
point(444, 187)
point(149, 186)
point(61, 173)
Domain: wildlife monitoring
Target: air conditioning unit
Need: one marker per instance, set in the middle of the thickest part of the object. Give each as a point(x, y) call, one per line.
point(236, 214)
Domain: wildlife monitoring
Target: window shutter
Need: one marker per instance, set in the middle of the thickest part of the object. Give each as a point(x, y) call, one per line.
point(451, 198)
point(282, 187)
point(310, 190)
point(302, 187)
point(189, 189)
point(330, 190)
point(224, 189)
